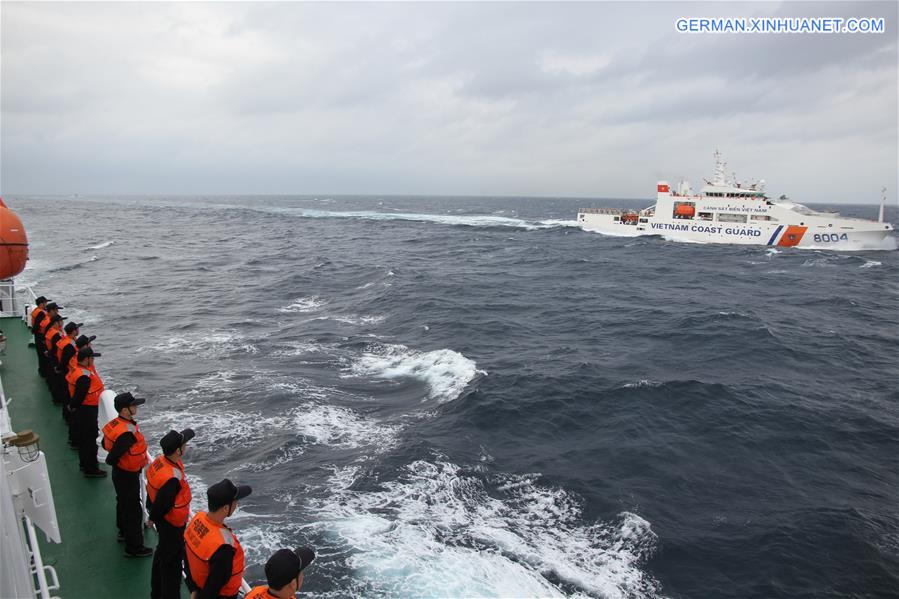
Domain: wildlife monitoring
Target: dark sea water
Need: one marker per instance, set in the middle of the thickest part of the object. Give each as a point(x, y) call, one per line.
point(461, 397)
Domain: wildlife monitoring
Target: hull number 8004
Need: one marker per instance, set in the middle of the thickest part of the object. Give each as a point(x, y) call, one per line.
point(830, 237)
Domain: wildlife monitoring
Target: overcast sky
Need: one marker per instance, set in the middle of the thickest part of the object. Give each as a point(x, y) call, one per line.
point(551, 99)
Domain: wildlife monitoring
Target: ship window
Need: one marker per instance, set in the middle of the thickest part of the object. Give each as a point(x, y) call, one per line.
point(644, 220)
point(617, 218)
point(705, 216)
point(763, 217)
point(729, 217)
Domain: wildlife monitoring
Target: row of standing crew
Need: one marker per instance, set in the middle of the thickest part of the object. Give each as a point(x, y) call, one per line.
point(203, 547)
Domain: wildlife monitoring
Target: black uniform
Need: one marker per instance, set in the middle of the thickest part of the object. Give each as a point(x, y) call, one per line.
point(86, 425)
point(128, 513)
point(39, 343)
point(68, 352)
point(168, 560)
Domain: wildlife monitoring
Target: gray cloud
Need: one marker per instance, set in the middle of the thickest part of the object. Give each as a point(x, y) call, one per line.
point(581, 99)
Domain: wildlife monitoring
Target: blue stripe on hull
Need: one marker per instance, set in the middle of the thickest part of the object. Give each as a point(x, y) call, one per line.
point(776, 233)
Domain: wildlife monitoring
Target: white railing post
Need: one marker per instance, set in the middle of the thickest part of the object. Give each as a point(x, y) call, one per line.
point(40, 570)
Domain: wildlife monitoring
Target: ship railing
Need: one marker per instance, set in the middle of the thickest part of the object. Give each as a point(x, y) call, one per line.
point(107, 412)
point(25, 481)
point(614, 211)
point(15, 300)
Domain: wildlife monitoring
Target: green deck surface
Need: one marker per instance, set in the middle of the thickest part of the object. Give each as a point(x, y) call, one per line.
point(89, 561)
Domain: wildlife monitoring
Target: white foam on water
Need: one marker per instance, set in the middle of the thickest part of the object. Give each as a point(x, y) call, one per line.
point(83, 316)
point(446, 372)
point(100, 246)
point(357, 319)
point(468, 220)
point(217, 428)
point(291, 349)
point(304, 304)
point(560, 223)
point(645, 382)
point(622, 233)
point(772, 251)
point(871, 264)
point(685, 240)
point(438, 531)
point(341, 427)
point(211, 344)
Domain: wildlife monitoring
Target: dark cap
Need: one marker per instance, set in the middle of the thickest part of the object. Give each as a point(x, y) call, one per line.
point(56, 318)
point(84, 340)
point(285, 565)
point(173, 440)
point(41, 300)
point(224, 492)
point(73, 326)
point(53, 306)
point(123, 400)
point(87, 352)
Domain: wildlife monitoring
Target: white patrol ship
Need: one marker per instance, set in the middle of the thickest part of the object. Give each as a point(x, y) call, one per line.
point(726, 211)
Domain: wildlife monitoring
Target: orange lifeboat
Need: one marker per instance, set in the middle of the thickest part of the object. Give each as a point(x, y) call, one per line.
point(628, 218)
point(684, 210)
point(13, 243)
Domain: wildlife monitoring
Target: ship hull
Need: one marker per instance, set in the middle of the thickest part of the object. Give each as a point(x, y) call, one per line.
point(824, 236)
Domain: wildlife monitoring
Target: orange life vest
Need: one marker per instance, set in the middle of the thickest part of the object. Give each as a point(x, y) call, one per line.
point(52, 336)
point(161, 471)
point(43, 324)
point(93, 392)
point(135, 458)
point(61, 344)
point(202, 538)
point(257, 593)
point(37, 315)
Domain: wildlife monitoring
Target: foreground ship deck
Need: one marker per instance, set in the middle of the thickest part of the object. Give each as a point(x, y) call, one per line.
point(89, 561)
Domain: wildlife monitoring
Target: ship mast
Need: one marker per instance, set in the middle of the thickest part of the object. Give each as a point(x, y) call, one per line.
point(883, 200)
point(720, 178)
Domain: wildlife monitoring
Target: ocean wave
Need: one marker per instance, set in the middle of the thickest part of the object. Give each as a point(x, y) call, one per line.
point(439, 531)
point(217, 428)
point(304, 304)
point(100, 246)
point(446, 372)
point(80, 315)
point(292, 349)
point(624, 232)
point(642, 383)
point(466, 220)
point(341, 427)
point(871, 264)
point(211, 344)
point(355, 319)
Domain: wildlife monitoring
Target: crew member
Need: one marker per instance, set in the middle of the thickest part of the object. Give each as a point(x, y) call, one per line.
point(38, 315)
point(40, 342)
point(85, 387)
point(127, 456)
point(215, 559)
point(168, 502)
point(284, 574)
point(63, 351)
point(52, 334)
point(68, 412)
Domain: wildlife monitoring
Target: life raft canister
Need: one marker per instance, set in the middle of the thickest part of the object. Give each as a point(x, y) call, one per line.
point(687, 210)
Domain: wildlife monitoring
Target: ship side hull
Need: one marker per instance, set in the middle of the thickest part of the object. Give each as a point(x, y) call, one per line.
point(756, 223)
